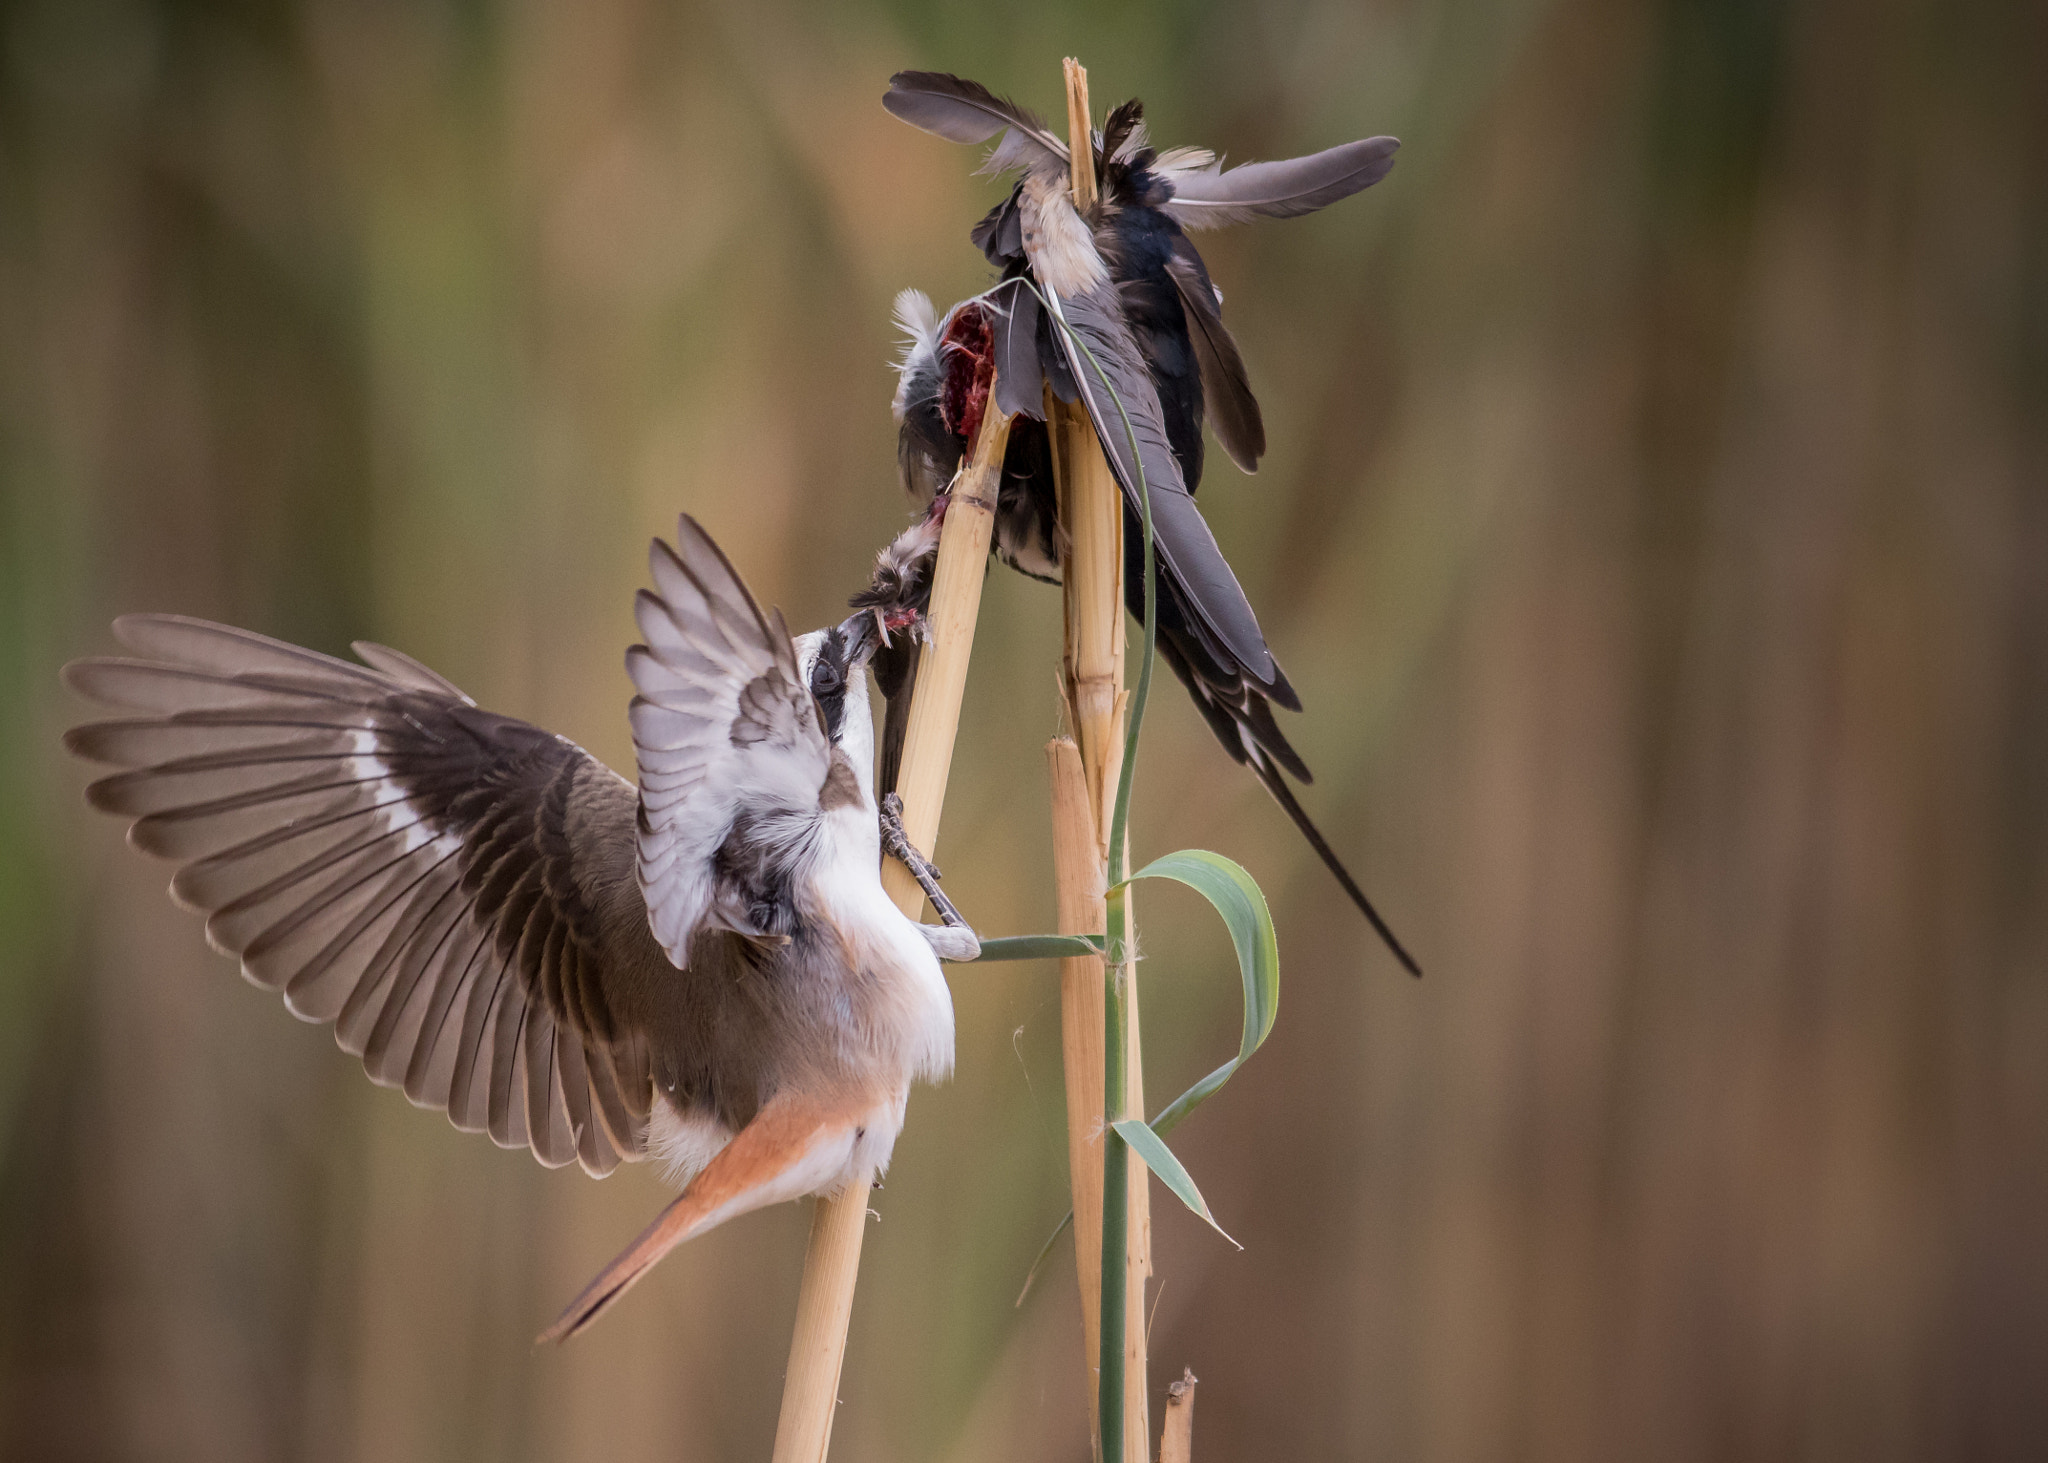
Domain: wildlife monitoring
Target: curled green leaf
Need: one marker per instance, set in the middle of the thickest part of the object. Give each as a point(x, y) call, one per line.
point(1236, 896)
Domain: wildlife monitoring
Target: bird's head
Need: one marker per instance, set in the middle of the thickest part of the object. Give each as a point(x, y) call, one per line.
point(833, 663)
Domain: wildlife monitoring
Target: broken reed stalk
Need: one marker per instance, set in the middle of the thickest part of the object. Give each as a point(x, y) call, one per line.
point(1099, 997)
point(1177, 1429)
point(824, 1307)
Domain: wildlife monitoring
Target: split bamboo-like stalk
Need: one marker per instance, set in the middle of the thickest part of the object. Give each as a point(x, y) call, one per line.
point(1091, 513)
point(1177, 1430)
point(817, 1347)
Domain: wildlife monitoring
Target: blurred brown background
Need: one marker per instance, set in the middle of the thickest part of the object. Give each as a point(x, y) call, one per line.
point(1656, 526)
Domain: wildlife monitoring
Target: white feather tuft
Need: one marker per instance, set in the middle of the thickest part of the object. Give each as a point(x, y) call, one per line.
point(1184, 162)
point(681, 1146)
point(898, 558)
point(1018, 150)
point(918, 319)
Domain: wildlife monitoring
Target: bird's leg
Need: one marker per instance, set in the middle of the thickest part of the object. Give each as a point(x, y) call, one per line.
point(953, 940)
point(896, 843)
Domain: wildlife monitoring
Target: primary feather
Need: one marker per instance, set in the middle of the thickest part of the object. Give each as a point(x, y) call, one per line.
point(499, 924)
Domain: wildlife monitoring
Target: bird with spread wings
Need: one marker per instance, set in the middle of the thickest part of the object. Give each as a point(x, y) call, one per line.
point(702, 968)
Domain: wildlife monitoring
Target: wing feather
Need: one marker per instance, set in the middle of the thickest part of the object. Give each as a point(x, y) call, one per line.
point(723, 723)
point(1233, 411)
point(391, 859)
point(1186, 547)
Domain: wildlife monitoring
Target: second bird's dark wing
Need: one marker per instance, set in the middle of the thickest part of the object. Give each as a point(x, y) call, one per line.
point(440, 882)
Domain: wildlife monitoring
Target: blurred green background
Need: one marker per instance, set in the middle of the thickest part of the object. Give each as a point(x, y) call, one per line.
point(1656, 526)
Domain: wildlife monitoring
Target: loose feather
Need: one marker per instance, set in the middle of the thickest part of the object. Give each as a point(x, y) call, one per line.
point(1211, 199)
point(1020, 379)
point(967, 112)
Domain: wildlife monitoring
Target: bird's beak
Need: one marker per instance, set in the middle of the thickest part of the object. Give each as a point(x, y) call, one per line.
point(863, 634)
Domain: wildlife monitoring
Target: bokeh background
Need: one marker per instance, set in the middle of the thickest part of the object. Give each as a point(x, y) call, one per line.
point(1656, 526)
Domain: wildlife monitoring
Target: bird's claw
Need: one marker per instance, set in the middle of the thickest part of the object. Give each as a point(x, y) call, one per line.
point(896, 843)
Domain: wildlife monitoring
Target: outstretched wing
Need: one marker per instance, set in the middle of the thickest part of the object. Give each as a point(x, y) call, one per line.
point(732, 749)
point(424, 874)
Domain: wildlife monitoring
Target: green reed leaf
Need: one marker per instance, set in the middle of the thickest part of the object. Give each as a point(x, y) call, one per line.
point(1149, 1146)
point(1039, 947)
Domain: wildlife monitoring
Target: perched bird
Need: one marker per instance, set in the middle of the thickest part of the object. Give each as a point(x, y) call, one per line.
point(703, 970)
point(1145, 348)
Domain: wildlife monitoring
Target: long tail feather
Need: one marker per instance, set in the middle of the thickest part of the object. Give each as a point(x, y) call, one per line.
point(1269, 777)
point(794, 1146)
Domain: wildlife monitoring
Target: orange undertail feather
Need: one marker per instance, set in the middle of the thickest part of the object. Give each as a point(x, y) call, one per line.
point(793, 1147)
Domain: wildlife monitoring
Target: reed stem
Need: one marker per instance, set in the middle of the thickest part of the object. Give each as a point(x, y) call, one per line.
point(817, 1346)
point(1177, 1429)
point(1092, 514)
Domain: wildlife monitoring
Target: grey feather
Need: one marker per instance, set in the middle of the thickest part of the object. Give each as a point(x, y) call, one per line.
point(1020, 378)
point(1186, 548)
point(1209, 199)
point(723, 725)
point(1233, 411)
point(967, 112)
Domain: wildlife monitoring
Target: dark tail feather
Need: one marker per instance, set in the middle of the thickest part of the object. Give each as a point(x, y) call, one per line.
point(1269, 777)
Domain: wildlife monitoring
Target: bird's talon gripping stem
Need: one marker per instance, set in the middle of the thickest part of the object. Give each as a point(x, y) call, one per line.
point(896, 843)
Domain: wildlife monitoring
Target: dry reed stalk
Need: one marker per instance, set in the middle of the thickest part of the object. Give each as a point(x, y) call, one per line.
point(1091, 514)
point(1177, 1429)
point(817, 1345)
